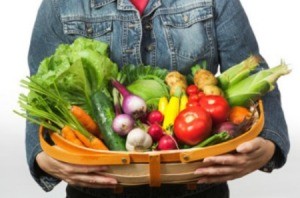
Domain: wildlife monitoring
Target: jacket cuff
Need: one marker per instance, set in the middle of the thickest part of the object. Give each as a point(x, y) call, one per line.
point(280, 155)
point(46, 181)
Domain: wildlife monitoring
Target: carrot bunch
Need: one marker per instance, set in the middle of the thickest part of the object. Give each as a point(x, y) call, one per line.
point(45, 107)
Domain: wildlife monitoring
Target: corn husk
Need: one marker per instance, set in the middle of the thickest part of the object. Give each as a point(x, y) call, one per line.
point(238, 72)
point(252, 88)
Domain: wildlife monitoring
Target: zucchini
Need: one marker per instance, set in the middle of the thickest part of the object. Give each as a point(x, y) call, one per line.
point(104, 114)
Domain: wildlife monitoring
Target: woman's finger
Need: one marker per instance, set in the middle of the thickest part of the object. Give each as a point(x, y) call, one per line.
point(93, 180)
point(250, 146)
point(83, 169)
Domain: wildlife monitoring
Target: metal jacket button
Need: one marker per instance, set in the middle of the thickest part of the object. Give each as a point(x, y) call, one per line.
point(90, 30)
point(150, 48)
point(148, 26)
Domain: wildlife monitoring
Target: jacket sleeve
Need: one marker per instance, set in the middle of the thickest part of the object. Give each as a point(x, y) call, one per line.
point(236, 41)
point(47, 34)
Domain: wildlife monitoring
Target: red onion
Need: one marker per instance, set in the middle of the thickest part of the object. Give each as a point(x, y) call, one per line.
point(227, 127)
point(122, 124)
point(131, 104)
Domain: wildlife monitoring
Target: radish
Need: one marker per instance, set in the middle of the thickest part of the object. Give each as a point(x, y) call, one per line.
point(155, 117)
point(131, 104)
point(155, 131)
point(167, 142)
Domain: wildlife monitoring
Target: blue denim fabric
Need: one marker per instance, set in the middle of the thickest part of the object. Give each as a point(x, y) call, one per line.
point(173, 34)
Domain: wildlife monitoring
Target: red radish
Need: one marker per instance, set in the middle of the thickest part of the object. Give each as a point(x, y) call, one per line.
point(155, 117)
point(155, 131)
point(167, 142)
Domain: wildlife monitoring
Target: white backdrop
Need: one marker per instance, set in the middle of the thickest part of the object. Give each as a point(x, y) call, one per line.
point(274, 23)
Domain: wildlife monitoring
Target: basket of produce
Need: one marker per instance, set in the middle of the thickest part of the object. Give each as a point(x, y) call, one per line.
point(151, 125)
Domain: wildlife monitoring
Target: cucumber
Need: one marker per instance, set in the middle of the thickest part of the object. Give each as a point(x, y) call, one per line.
point(104, 114)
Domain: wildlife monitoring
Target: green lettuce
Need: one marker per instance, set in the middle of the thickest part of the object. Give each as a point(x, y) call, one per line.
point(77, 70)
point(147, 82)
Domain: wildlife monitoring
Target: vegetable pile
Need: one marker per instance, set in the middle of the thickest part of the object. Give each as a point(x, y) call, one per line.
point(79, 93)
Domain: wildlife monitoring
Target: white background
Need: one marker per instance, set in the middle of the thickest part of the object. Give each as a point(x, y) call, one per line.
point(274, 23)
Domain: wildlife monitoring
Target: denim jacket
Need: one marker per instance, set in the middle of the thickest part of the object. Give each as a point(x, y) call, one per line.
point(173, 34)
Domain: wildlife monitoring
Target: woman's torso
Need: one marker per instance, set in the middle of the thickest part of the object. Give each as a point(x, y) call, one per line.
point(170, 34)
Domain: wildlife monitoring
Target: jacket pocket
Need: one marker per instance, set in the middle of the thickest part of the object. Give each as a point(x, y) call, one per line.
point(97, 30)
point(188, 31)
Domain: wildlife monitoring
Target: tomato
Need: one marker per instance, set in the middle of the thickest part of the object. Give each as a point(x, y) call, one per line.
point(193, 98)
point(192, 89)
point(216, 106)
point(200, 94)
point(193, 104)
point(192, 125)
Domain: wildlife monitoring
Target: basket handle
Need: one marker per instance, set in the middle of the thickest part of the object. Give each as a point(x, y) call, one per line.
point(154, 169)
point(79, 158)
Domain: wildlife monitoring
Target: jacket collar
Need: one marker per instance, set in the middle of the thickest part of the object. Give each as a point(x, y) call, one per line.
point(125, 5)
point(121, 4)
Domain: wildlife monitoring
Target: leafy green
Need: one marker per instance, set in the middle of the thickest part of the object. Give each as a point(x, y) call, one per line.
point(77, 70)
point(47, 108)
point(146, 82)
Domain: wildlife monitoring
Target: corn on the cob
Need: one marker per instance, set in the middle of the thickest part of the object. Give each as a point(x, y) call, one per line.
point(255, 86)
point(238, 72)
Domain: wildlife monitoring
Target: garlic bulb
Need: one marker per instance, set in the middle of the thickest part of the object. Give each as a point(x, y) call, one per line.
point(138, 140)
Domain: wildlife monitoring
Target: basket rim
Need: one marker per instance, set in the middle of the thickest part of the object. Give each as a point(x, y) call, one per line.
point(183, 155)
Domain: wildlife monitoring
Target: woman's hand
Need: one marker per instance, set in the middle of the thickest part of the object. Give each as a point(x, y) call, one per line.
point(248, 157)
point(76, 175)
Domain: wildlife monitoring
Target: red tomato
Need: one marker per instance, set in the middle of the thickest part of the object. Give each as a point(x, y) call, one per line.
point(200, 94)
point(192, 125)
point(193, 98)
point(193, 104)
point(192, 89)
point(216, 106)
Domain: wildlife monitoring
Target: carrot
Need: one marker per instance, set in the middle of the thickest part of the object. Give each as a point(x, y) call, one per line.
point(238, 114)
point(91, 141)
point(68, 133)
point(86, 120)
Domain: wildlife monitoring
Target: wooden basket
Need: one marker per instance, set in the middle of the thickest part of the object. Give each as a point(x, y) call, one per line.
point(153, 167)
